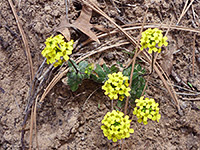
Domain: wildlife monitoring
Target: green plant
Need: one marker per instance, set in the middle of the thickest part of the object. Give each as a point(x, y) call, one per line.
point(57, 50)
point(138, 81)
point(75, 78)
point(115, 126)
point(100, 74)
point(87, 71)
point(115, 84)
point(146, 109)
point(153, 40)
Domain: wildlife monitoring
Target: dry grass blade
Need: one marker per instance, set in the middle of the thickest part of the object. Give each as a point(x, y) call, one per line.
point(167, 64)
point(145, 85)
point(193, 54)
point(169, 27)
point(185, 10)
point(191, 99)
point(53, 82)
point(148, 25)
point(156, 25)
point(31, 129)
point(170, 90)
point(64, 72)
point(182, 14)
point(35, 122)
point(24, 40)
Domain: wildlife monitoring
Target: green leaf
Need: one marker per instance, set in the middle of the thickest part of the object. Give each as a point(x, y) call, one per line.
point(135, 75)
point(138, 67)
point(70, 64)
point(74, 87)
point(99, 105)
point(100, 71)
point(82, 65)
point(113, 69)
point(74, 83)
point(120, 104)
point(120, 64)
point(138, 82)
point(94, 77)
point(106, 69)
point(190, 84)
point(80, 76)
point(127, 72)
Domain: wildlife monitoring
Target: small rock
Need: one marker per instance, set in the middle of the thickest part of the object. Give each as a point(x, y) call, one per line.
point(56, 13)
point(38, 27)
point(47, 8)
point(81, 129)
point(183, 105)
point(83, 138)
point(7, 136)
point(110, 56)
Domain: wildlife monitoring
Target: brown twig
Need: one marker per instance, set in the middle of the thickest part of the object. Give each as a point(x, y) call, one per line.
point(193, 55)
point(185, 10)
point(24, 40)
point(89, 97)
point(35, 123)
point(191, 99)
point(133, 62)
point(31, 129)
point(188, 94)
point(182, 14)
point(147, 81)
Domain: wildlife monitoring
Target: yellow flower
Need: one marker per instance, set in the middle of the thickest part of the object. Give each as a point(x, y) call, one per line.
point(57, 50)
point(153, 40)
point(118, 128)
point(146, 109)
point(164, 41)
point(116, 87)
point(121, 98)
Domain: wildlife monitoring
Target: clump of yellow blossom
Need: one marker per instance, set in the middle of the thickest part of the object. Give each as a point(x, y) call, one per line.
point(153, 40)
point(115, 126)
point(116, 87)
point(146, 109)
point(57, 50)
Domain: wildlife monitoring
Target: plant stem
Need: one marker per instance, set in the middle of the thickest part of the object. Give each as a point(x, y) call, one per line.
point(74, 66)
point(152, 63)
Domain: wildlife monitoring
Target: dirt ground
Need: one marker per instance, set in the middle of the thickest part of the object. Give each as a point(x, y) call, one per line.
point(66, 121)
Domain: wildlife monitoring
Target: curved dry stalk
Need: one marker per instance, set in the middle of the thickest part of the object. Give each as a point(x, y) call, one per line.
point(133, 64)
point(139, 26)
point(24, 40)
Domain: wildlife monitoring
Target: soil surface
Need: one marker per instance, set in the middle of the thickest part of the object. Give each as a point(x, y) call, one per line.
point(71, 120)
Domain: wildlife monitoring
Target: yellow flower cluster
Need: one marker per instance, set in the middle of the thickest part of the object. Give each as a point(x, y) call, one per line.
point(116, 127)
point(146, 109)
point(116, 84)
point(153, 40)
point(57, 50)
